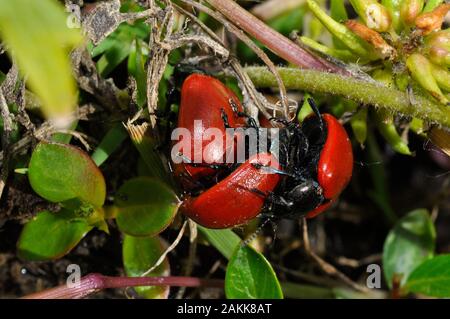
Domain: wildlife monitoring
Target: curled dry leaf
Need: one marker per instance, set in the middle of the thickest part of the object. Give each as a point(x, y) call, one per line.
point(432, 21)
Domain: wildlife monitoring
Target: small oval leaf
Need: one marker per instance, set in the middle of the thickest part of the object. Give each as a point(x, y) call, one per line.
point(145, 207)
point(250, 276)
point(61, 172)
point(139, 255)
point(408, 244)
point(432, 277)
point(51, 236)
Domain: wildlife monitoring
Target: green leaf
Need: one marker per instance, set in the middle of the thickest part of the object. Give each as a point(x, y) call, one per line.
point(110, 142)
point(225, 240)
point(250, 276)
point(117, 46)
point(432, 277)
point(51, 235)
point(351, 40)
point(393, 7)
point(139, 255)
point(65, 138)
point(37, 36)
point(145, 207)
point(408, 244)
point(61, 172)
point(136, 67)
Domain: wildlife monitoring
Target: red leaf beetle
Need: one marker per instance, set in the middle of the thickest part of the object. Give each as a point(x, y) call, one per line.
point(205, 103)
point(234, 201)
point(317, 165)
point(315, 162)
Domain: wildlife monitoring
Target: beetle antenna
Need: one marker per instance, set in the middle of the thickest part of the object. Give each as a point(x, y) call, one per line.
point(316, 111)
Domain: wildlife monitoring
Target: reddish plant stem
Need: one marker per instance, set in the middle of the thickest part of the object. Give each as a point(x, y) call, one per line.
point(93, 283)
point(273, 40)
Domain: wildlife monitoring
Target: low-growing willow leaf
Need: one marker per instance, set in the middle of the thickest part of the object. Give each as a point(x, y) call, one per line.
point(146, 207)
point(408, 244)
point(37, 36)
point(250, 276)
point(61, 172)
point(51, 235)
point(431, 278)
point(139, 255)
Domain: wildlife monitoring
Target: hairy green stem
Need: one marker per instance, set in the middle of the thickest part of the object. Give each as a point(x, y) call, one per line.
point(369, 93)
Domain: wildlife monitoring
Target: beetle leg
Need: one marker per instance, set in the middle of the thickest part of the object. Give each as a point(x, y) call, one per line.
point(188, 161)
point(225, 118)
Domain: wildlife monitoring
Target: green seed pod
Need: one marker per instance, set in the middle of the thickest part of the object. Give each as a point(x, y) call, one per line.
point(439, 38)
point(359, 125)
point(417, 126)
point(344, 55)
point(409, 10)
point(421, 71)
point(393, 7)
point(387, 129)
point(442, 77)
point(385, 120)
point(374, 14)
point(339, 14)
point(439, 55)
point(351, 40)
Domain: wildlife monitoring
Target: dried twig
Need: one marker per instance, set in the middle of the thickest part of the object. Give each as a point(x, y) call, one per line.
point(89, 80)
point(158, 59)
point(167, 251)
point(324, 266)
point(105, 17)
point(244, 38)
point(22, 116)
point(43, 132)
point(252, 99)
point(83, 138)
point(9, 84)
point(7, 129)
point(355, 263)
point(189, 266)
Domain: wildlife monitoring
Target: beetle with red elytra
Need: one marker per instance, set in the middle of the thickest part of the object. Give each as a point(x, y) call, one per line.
point(314, 166)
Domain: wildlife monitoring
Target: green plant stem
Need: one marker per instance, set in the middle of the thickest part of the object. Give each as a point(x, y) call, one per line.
point(93, 283)
point(369, 93)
